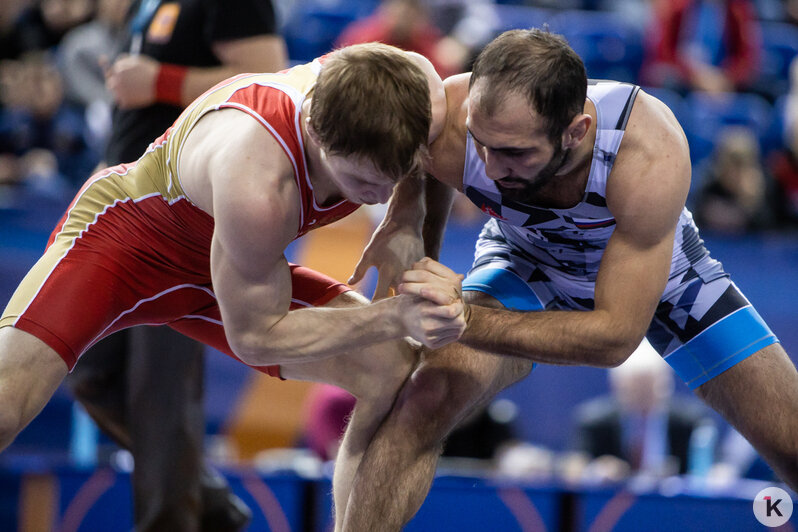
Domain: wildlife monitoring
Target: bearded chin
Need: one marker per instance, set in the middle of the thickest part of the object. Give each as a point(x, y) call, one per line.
point(545, 176)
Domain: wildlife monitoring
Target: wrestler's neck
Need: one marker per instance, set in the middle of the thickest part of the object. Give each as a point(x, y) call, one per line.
point(325, 191)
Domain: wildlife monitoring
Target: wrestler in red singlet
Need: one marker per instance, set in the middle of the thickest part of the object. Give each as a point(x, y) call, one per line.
point(132, 249)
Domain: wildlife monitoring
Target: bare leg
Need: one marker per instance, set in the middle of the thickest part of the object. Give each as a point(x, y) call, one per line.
point(759, 397)
point(397, 470)
point(374, 376)
point(30, 372)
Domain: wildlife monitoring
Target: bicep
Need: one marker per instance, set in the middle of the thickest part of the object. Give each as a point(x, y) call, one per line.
point(255, 217)
point(250, 298)
point(646, 194)
point(631, 279)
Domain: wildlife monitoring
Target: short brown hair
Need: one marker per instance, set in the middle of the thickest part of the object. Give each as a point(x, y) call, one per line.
point(541, 66)
point(371, 100)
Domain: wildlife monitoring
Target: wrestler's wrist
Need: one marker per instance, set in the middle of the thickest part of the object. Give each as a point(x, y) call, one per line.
point(392, 309)
point(169, 83)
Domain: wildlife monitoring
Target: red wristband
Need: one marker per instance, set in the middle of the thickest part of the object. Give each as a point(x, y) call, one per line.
point(169, 83)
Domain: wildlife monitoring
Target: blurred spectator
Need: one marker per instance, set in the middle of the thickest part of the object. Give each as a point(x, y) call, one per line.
point(481, 435)
point(783, 163)
point(44, 135)
point(734, 195)
point(10, 11)
point(791, 11)
point(41, 24)
point(467, 25)
point(706, 45)
point(407, 25)
point(639, 13)
point(327, 410)
point(641, 428)
point(80, 56)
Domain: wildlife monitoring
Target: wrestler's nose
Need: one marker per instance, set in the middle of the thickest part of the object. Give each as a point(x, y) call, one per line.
point(495, 167)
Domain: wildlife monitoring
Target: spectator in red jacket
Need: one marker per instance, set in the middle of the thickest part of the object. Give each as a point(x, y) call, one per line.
point(405, 24)
point(707, 45)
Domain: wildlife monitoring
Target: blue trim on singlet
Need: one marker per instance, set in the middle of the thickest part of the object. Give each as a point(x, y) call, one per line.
point(721, 346)
point(505, 286)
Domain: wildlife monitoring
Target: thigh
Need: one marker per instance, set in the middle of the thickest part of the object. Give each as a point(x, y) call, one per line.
point(759, 397)
point(30, 372)
point(452, 382)
point(472, 373)
point(362, 371)
point(111, 263)
point(704, 325)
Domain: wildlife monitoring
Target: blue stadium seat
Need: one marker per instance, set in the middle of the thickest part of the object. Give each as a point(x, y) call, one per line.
point(314, 25)
point(711, 113)
point(611, 47)
point(779, 48)
point(674, 101)
point(516, 17)
point(775, 137)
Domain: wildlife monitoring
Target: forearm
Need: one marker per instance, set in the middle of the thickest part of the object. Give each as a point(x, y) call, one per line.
point(314, 333)
point(553, 337)
point(407, 206)
point(439, 199)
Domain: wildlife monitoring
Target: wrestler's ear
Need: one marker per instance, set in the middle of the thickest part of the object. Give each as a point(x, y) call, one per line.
point(577, 130)
point(313, 135)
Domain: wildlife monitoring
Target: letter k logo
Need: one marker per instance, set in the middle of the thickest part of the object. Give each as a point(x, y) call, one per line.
point(773, 506)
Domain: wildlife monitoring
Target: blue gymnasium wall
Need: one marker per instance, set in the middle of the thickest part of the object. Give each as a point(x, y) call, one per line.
point(765, 267)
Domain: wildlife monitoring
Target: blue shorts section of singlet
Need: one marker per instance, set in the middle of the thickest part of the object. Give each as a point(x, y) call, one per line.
point(717, 348)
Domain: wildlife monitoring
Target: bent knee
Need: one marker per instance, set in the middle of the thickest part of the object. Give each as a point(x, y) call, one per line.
point(381, 374)
point(435, 398)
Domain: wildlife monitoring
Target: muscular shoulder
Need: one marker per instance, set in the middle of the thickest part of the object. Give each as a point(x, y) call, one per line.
point(448, 150)
point(250, 187)
point(651, 175)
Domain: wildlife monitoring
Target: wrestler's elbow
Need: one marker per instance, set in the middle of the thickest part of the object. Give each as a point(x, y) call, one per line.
point(614, 358)
point(250, 348)
point(618, 349)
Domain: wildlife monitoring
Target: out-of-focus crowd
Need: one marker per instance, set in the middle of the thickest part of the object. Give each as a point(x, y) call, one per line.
point(54, 110)
point(723, 66)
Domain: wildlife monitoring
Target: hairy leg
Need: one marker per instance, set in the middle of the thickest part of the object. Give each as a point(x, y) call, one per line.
point(374, 375)
point(30, 372)
point(759, 397)
point(397, 470)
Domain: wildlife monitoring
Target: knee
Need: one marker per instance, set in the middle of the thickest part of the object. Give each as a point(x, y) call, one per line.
point(382, 376)
point(434, 399)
